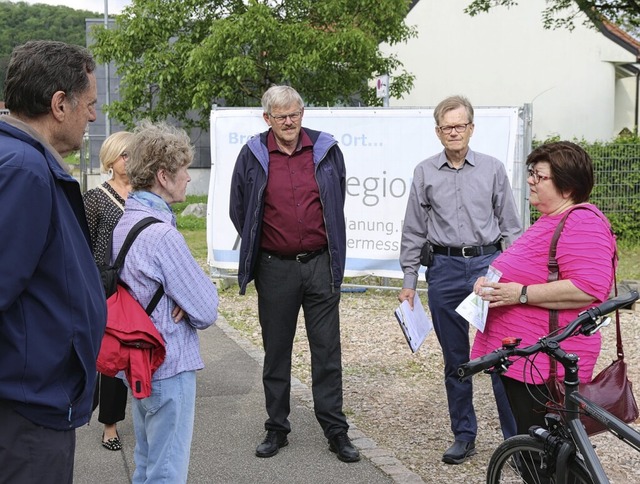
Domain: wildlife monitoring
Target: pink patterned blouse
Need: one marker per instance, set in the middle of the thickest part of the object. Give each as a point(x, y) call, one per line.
point(585, 253)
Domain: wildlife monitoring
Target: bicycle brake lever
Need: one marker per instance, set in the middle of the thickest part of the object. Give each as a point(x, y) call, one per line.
point(500, 370)
point(603, 322)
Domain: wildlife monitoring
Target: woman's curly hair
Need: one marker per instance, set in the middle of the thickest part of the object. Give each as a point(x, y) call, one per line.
point(155, 147)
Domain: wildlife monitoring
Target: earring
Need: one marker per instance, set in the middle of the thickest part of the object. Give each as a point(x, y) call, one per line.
point(110, 173)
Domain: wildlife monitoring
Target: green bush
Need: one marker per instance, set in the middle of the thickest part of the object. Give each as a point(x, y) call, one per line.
point(617, 183)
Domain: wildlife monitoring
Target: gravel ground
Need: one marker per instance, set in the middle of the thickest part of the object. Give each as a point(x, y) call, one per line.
point(398, 399)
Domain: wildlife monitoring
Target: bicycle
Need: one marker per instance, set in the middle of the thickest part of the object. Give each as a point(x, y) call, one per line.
point(561, 452)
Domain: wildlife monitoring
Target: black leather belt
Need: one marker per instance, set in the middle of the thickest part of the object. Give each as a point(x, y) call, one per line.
point(468, 251)
point(302, 257)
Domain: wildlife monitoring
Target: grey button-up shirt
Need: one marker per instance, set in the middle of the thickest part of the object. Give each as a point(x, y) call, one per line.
point(472, 205)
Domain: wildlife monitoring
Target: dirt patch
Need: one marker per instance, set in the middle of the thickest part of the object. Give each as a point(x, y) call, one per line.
point(398, 399)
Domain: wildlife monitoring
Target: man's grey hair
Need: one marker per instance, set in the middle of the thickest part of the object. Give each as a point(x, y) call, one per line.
point(451, 103)
point(280, 96)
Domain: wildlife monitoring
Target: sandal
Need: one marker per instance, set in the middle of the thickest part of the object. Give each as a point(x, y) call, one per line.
point(112, 444)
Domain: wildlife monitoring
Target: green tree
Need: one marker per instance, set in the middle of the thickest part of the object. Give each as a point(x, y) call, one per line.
point(20, 22)
point(181, 56)
point(563, 13)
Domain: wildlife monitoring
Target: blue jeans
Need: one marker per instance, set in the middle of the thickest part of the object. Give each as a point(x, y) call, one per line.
point(450, 280)
point(163, 426)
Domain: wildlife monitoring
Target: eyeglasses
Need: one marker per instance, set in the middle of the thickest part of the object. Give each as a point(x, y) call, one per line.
point(537, 177)
point(282, 118)
point(460, 128)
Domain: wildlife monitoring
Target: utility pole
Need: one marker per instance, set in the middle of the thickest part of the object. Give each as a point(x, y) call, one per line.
point(107, 87)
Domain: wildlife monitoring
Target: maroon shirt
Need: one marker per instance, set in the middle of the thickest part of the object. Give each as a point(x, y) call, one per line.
point(293, 221)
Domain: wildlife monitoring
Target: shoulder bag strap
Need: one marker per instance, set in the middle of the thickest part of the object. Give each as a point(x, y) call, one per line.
point(114, 199)
point(553, 268)
point(131, 236)
point(554, 275)
point(155, 300)
point(619, 349)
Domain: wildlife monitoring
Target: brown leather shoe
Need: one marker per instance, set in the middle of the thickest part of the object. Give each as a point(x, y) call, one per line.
point(344, 449)
point(272, 443)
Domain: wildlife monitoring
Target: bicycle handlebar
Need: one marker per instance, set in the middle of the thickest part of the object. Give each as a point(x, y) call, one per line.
point(500, 357)
point(615, 303)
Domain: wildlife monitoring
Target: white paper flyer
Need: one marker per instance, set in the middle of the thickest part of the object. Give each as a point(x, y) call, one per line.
point(473, 308)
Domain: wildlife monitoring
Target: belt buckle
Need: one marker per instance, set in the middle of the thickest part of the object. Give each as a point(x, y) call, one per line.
point(302, 257)
point(471, 254)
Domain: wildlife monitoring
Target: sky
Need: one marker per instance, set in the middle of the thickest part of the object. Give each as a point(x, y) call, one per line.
point(114, 6)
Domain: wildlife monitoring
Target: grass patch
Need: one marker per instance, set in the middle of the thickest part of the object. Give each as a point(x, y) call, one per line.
point(193, 229)
point(197, 242)
point(192, 223)
point(629, 261)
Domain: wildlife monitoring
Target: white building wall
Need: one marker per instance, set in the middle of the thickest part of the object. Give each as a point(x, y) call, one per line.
point(507, 58)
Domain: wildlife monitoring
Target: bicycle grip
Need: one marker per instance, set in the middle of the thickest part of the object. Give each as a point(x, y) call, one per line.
point(470, 368)
point(616, 303)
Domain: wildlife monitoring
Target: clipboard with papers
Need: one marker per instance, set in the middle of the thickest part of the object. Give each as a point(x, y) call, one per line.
point(415, 323)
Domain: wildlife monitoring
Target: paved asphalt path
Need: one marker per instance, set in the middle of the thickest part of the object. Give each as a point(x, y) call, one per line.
point(229, 425)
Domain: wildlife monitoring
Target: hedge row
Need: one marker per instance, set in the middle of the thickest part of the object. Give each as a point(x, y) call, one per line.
point(617, 183)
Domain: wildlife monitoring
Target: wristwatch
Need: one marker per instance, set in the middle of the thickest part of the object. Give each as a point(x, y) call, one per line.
point(523, 295)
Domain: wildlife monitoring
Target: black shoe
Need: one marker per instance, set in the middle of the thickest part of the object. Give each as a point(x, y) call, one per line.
point(112, 443)
point(272, 443)
point(458, 452)
point(342, 446)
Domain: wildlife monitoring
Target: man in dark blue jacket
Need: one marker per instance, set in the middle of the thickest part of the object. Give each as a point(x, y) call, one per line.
point(52, 304)
point(287, 203)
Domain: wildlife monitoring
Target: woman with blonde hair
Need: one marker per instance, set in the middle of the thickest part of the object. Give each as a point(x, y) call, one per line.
point(104, 205)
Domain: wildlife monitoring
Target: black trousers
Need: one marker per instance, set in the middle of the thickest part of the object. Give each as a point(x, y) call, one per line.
point(527, 403)
point(285, 286)
point(31, 454)
point(111, 399)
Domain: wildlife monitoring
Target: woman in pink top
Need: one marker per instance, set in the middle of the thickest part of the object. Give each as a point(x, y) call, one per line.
point(560, 178)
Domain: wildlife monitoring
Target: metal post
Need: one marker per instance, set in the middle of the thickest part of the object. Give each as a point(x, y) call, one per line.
point(385, 99)
point(107, 87)
point(527, 141)
point(635, 117)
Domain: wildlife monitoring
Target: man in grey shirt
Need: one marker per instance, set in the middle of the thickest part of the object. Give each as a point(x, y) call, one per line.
point(461, 203)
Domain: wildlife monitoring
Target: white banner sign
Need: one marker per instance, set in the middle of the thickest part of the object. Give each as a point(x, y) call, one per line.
point(381, 149)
